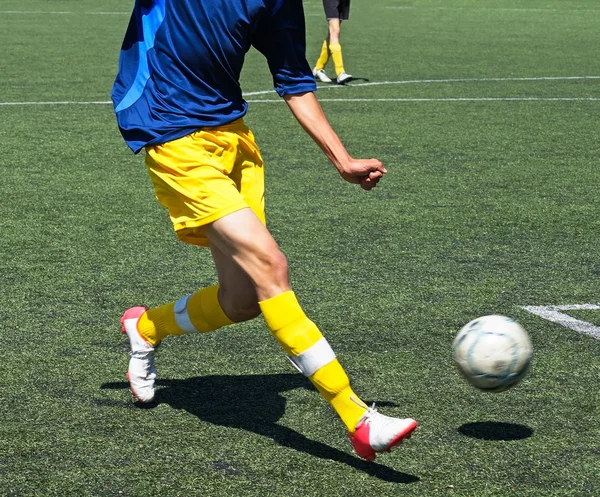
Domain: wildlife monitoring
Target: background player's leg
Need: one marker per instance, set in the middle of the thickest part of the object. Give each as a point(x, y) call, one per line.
point(334, 31)
point(335, 48)
point(323, 57)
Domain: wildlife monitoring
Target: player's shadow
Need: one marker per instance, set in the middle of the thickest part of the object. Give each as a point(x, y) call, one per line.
point(493, 430)
point(254, 403)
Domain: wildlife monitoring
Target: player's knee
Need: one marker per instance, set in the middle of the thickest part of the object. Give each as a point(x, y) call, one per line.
point(277, 268)
point(268, 270)
point(334, 34)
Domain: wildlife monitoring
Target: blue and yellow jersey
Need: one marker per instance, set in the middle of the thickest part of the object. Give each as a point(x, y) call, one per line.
point(181, 61)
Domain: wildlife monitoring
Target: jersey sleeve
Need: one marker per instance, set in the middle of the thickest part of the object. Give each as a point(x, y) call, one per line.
point(281, 38)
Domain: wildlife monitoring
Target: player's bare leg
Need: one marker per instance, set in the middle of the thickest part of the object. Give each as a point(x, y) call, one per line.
point(247, 242)
point(232, 300)
point(237, 293)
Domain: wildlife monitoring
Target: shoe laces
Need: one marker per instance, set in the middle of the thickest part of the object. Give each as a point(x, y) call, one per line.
point(373, 415)
point(369, 414)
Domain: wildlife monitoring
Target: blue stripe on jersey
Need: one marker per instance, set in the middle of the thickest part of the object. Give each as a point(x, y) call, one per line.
point(151, 19)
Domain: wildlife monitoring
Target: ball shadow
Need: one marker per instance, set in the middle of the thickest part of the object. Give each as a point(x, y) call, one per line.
point(493, 430)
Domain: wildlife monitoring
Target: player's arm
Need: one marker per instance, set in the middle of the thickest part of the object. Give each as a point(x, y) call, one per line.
point(310, 115)
point(281, 39)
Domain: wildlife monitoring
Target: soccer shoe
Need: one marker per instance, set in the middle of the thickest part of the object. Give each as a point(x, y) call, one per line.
point(141, 373)
point(343, 78)
point(322, 76)
point(378, 433)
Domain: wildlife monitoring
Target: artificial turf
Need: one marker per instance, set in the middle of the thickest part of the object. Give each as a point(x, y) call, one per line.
point(486, 117)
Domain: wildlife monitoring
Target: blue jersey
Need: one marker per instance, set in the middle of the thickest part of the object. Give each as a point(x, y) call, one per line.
point(181, 61)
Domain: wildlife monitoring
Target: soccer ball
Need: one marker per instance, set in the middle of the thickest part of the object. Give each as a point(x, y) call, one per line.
point(492, 352)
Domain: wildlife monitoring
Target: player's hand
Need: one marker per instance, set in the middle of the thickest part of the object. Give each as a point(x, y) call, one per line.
point(364, 172)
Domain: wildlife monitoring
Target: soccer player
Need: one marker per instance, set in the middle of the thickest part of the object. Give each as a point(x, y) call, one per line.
point(177, 96)
point(336, 11)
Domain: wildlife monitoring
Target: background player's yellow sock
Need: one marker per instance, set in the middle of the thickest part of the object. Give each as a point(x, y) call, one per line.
point(198, 312)
point(310, 352)
point(323, 58)
point(336, 55)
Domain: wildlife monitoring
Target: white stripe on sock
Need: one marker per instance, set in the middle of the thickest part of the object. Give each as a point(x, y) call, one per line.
point(314, 358)
point(182, 317)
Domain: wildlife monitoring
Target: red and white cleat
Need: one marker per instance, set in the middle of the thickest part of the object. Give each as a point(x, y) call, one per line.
point(378, 433)
point(141, 372)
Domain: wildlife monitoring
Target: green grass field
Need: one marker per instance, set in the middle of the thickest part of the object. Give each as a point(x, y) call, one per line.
point(486, 116)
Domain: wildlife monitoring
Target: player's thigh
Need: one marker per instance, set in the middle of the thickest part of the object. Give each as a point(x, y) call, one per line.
point(242, 237)
point(248, 172)
point(207, 175)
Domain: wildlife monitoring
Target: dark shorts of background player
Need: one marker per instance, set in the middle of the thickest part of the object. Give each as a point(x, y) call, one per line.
point(337, 9)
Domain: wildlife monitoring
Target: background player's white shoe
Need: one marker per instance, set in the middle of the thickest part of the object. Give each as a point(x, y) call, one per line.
point(322, 76)
point(344, 78)
point(378, 433)
point(141, 372)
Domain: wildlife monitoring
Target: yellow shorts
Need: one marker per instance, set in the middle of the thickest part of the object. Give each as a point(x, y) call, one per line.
point(206, 175)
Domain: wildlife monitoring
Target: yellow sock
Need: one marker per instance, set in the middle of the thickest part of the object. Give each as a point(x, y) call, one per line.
point(336, 55)
point(333, 384)
point(308, 349)
point(323, 58)
point(199, 312)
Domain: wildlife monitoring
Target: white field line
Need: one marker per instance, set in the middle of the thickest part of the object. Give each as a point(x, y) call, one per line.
point(6, 104)
point(485, 9)
point(61, 12)
point(405, 82)
point(393, 7)
point(440, 81)
point(553, 313)
point(490, 99)
point(279, 101)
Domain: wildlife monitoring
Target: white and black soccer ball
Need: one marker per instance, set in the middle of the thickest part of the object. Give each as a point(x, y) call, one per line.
point(493, 352)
